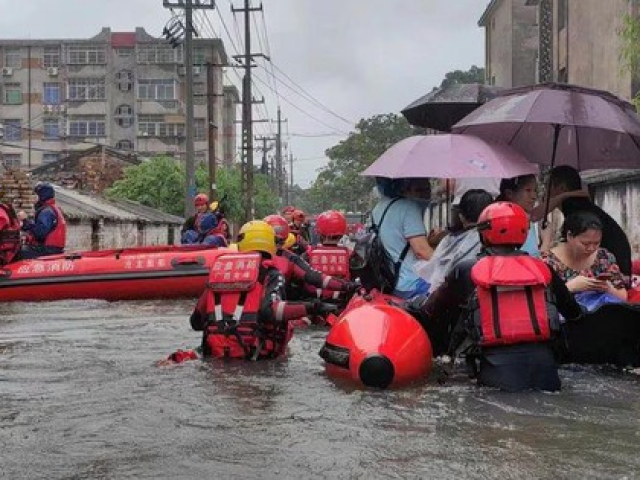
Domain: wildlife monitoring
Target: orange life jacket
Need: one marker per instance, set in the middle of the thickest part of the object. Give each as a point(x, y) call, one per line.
point(58, 236)
point(512, 303)
point(10, 234)
point(330, 260)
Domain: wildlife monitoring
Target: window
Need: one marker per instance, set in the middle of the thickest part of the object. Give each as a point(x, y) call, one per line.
point(124, 116)
point(51, 57)
point(199, 132)
point(199, 56)
point(199, 93)
point(11, 160)
point(155, 126)
point(51, 128)
point(51, 94)
point(86, 55)
point(13, 57)
point(124, 80)
point(12, 130)
point(157, 89)
point(159, 53)
point(49, 157)
point(88, 126)
point(563, 13)
point(12, 94)
point(124, 52)
point(86, 89)
point(126, 145)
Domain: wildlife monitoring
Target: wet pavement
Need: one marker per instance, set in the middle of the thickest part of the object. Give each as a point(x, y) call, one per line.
point(81, 398)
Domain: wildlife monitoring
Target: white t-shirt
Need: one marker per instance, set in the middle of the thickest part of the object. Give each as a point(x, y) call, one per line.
point(463, 185)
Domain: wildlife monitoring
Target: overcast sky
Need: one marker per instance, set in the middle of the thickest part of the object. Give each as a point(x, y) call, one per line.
point(357, 58)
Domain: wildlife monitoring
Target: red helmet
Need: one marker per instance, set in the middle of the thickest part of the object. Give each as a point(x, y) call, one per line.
point(298, 216)
point(289, 209)
point(331, 224)
point(280, 226)
point(503, 223)
point(201, 199)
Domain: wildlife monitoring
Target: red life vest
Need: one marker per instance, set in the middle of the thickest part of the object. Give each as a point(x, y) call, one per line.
point(511, 303)
point(332, 261)
point(58, 236)
point(234, 296)
point(10, 234)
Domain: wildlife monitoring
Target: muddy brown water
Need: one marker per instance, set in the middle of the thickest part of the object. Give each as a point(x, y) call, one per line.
point(81, 398)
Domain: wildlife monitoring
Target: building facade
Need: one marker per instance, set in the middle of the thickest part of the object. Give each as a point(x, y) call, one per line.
point(511, 43)
point(124, 90)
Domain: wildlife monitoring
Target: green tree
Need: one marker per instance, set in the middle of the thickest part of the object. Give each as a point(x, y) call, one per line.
point(473, 75)
point(160, 183)
point(339, 184)
point(630, 51)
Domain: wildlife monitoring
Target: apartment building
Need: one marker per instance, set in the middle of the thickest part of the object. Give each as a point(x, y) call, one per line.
point(121, 89)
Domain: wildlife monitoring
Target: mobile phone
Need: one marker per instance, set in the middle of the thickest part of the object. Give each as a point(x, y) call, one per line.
point(604, 276)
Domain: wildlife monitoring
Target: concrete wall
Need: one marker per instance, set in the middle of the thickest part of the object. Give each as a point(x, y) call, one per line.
point(499, 40)
point(621, 200)
point(79, 235)
point(525, 44)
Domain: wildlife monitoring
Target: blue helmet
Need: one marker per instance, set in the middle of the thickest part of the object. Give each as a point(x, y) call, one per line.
point(44, 191)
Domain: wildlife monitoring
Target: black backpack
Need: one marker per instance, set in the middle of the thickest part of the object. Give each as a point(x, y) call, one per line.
point(370, 261)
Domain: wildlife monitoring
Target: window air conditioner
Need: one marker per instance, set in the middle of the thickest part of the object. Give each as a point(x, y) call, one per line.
point(197, 70)
point(7, 71)
point(52, 71)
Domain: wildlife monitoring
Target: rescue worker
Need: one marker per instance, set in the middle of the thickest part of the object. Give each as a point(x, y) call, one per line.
point(223, 225)
point(46, 234)
point(9, 234)
point(243, 313)
point(297, 272)
point(329, 258)
point(300, 229)
point(511, 302)
point(189, 233)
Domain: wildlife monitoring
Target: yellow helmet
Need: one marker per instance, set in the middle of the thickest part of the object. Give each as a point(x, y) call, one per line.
point(257, 236)
point(213, 206)
point(289, 242)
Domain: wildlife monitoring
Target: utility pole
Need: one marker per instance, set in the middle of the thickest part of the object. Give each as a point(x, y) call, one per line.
point(291, 172)
point(188, 6)
point(247, 110)
point(280, 178)
point(212, 129)
point(264, 168)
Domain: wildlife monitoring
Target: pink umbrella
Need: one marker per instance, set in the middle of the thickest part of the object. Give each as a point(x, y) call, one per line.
point(558, 124)
point(449, 156)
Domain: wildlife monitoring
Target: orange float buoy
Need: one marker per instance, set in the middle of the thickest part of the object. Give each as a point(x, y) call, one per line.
point(378, 345)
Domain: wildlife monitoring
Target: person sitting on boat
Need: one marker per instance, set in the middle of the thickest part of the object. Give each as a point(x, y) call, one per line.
point(458, 245)
point(243, 313)
point(506, 303)
point(189, 233)
point(568, 195)
point(298, 273)
point(329, 257)
point(218, 210)
point(590, 271)
point(209, 231)
point(300, 229)
point(9, 234)
point(46, 234)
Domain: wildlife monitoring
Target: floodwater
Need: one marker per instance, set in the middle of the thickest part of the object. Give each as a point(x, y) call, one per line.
point(81, 398)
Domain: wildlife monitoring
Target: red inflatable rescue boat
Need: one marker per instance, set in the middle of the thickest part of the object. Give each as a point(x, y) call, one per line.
point(126, 274)
point(377, 344)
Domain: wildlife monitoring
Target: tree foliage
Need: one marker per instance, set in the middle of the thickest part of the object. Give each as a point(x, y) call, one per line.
point(340, 185)
point(473, 75)
point(160, 183)
point(630, 50)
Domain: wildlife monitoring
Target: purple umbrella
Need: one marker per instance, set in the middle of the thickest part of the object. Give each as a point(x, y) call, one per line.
point(449, 156)
point(558, 124)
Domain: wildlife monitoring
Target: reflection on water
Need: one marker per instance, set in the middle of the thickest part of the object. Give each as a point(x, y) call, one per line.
point(80, 397)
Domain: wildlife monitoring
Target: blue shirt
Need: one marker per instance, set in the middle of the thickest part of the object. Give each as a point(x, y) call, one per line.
point(531, 243)
point(44, 223)
point(402, 221)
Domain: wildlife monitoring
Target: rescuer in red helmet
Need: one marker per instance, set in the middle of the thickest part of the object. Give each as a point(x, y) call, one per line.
point(511, 302)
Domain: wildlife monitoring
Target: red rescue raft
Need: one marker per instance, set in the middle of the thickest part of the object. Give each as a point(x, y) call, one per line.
point(126, 274)
point(377, 344)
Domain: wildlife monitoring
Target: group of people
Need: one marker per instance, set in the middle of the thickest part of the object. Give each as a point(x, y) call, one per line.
point(443, 281)
point(208, 226)
point(256, 295)
point(22, 237)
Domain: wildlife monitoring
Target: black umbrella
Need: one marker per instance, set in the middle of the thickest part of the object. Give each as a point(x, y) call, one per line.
point(444, 107)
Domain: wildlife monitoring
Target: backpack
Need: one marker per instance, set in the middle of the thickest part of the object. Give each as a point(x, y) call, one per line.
point(370, 261)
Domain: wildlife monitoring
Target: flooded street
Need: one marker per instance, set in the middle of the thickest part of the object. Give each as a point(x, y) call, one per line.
point(80, 397)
